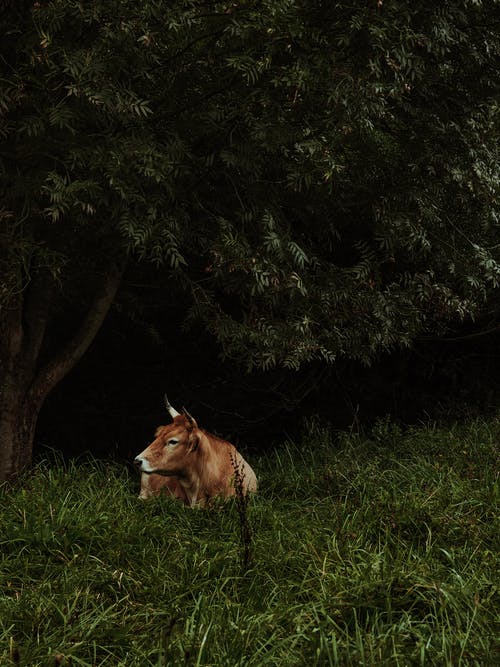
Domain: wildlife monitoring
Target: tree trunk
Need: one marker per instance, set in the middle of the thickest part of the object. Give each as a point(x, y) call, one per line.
point(24, 384)
point(18, 418)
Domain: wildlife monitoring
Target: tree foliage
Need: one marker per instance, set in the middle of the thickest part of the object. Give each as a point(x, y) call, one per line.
point(322, 177)
point(360, 178)
point(319, 178)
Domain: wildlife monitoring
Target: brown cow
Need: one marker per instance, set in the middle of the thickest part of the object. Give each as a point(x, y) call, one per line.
point(191, 464)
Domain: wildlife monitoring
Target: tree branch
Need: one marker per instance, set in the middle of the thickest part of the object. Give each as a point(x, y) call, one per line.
point(458, 339)
point(200, 38)
point(67, 358)
point(36, 313)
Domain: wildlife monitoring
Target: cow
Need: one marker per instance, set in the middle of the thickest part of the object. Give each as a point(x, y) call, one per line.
point(192, 464)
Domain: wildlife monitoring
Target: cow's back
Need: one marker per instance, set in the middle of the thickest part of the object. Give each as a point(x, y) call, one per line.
point(229, 469)
point(243, 473)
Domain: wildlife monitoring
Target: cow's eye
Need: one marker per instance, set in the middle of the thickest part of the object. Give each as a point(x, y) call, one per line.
point(172, 441)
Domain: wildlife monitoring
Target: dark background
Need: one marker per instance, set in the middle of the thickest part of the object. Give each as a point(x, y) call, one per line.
point(111, 403)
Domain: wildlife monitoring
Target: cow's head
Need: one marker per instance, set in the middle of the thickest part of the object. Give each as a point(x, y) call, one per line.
point(173, 447)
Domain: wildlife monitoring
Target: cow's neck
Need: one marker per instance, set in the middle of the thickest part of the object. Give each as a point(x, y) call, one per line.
point(191, 489)
point(192, 482)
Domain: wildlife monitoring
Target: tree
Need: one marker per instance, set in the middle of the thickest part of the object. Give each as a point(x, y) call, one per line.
point(60, 253)
point(320, 179)
point(367, 165)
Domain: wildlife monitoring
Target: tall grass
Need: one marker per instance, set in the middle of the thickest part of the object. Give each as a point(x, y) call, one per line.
point(378, 550)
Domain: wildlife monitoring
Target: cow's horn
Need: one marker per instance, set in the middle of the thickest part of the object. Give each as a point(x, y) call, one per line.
point(171, 411)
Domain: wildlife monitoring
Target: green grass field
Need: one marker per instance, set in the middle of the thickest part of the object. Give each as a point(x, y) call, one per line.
point(376, 550)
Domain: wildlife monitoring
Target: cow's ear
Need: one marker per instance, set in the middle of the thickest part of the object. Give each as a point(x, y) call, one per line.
point(193, 442)
point(191, 421)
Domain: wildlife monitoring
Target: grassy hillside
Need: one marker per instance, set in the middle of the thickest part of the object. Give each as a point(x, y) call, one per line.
point(365, 551)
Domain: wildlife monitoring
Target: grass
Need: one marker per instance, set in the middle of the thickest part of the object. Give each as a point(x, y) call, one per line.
point(377, 550)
